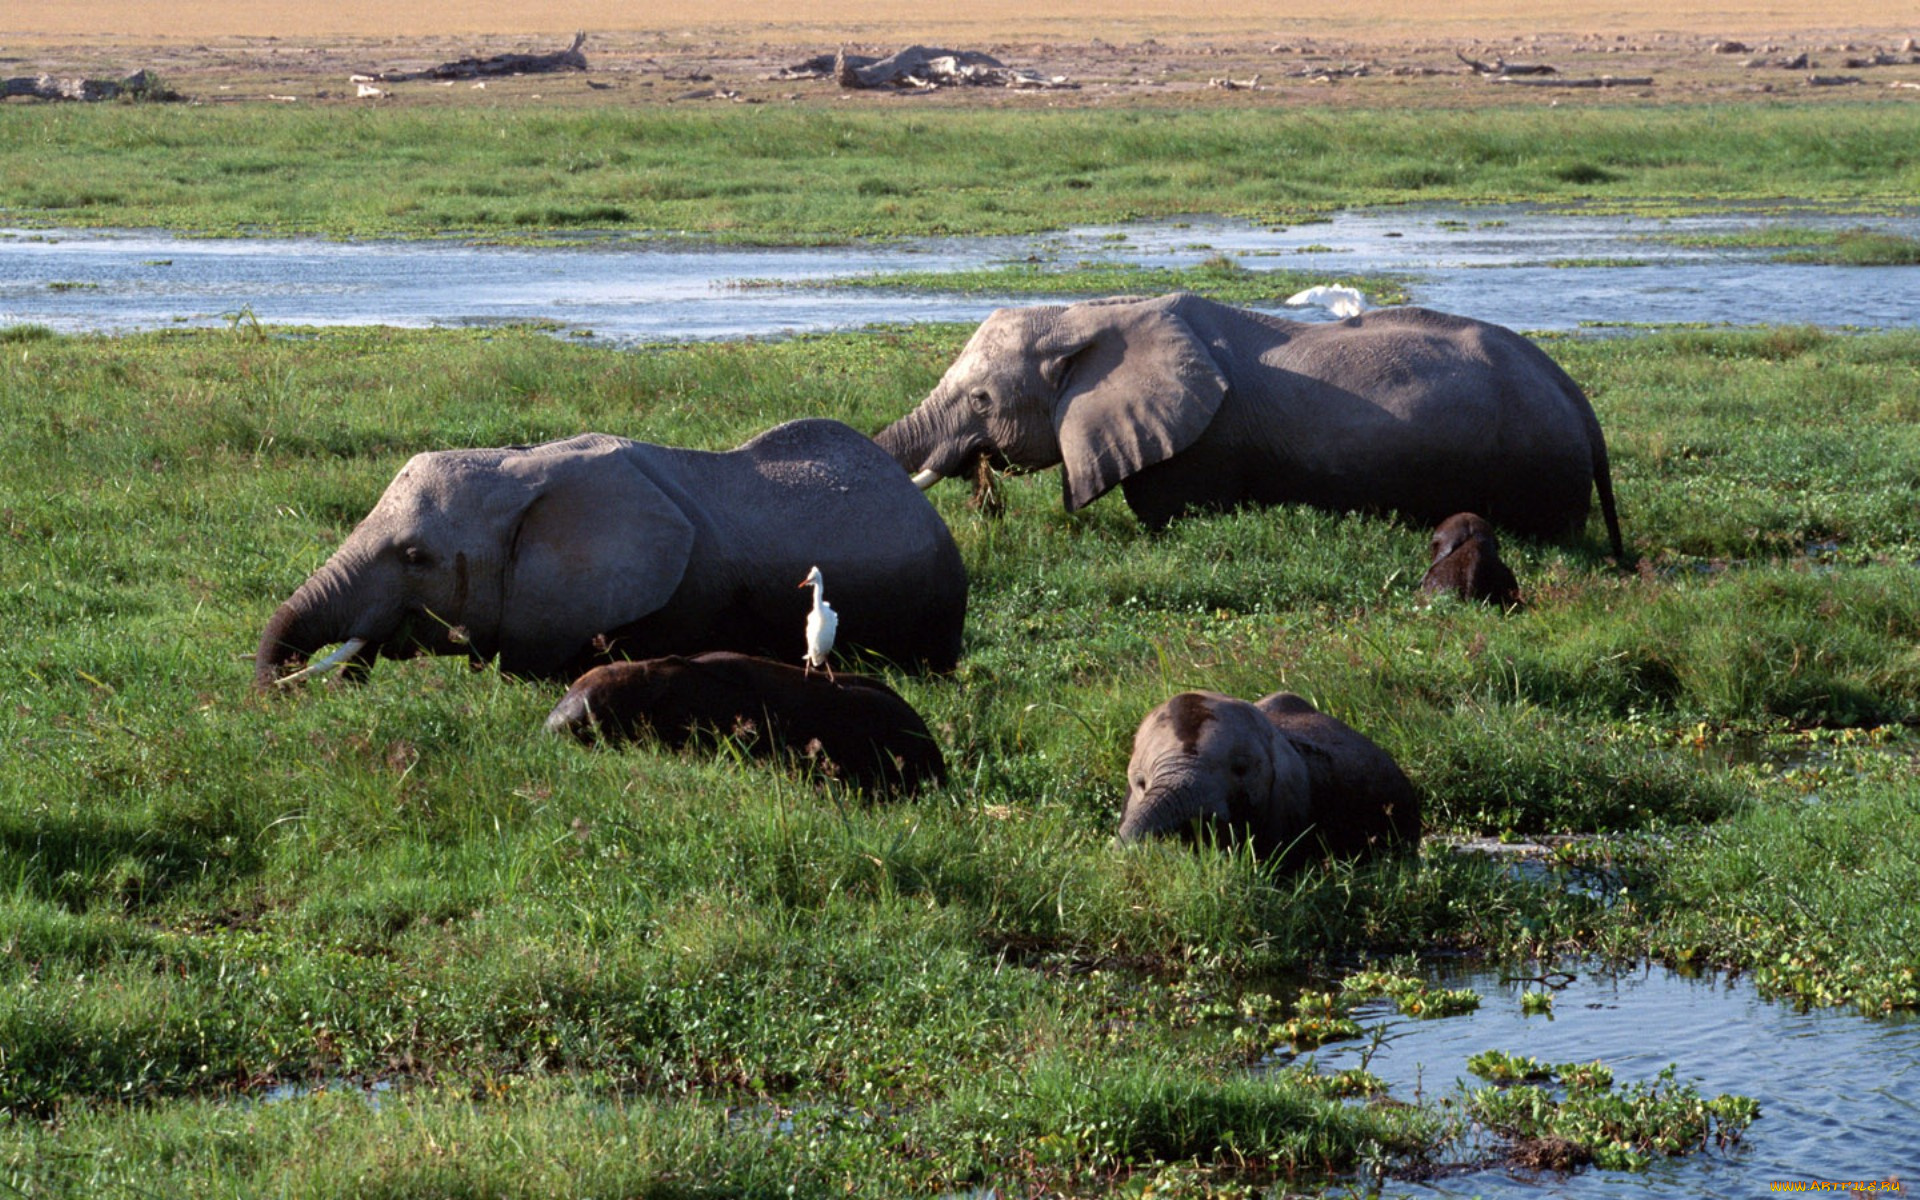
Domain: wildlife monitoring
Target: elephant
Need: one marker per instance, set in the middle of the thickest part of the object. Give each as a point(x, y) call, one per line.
point(1466, 562)
point(1191, 405)
point(850, 727)
point(554, 557)
point(1277, 775)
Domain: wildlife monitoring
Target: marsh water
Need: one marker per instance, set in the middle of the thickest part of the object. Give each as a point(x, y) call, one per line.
point(1839, 1094)
point(1522, 267)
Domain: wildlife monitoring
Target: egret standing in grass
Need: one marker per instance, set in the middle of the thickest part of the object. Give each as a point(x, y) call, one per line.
point(821, 623)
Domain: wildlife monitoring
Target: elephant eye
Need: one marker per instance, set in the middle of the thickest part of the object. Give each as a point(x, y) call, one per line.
point(414, 556)
point(980, 400)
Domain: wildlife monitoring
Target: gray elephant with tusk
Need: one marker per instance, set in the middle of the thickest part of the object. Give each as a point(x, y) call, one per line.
point(1277, 774)
point(555, 557)
point(1188, 405)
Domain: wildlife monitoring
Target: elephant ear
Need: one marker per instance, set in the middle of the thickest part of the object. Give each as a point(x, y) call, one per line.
point(1138, 388)
point(1289, 811)
point(599, 545)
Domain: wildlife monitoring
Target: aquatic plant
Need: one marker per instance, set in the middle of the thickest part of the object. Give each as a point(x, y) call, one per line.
point(1619, 1129)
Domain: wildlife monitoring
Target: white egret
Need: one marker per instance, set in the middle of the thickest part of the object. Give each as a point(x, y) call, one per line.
point(1340, 299)
point(821, 624)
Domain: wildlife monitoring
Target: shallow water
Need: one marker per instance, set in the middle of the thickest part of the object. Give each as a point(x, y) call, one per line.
point(1492, 263)
point(1839, 1094)
point(371, 1092)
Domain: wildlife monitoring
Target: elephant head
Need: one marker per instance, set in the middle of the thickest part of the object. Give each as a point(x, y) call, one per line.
point(1207, 765)
point(524, 553)
point(1466, 562)
point(1277, 774)
point(1105, 388)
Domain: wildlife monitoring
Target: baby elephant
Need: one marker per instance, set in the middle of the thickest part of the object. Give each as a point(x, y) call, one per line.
point(852, 728)
point(1279, 775)
point(1466, 562)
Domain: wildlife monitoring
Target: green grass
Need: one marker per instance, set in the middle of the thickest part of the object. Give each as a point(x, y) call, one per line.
point(1220, 277)
point(764, 173)
point(628, 964)
point(1844, 247)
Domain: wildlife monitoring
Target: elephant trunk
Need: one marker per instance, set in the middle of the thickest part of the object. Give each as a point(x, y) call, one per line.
point(1166, 809)
point(916, 442)
point(314, 616)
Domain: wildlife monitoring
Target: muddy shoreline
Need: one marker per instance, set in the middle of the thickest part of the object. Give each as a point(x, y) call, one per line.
point(1221, 68)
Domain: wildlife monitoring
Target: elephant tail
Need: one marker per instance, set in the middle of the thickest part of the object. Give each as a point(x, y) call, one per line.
point(1603, 484)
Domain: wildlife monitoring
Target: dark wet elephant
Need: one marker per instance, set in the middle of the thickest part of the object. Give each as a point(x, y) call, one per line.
point(848, 727)
point(1466, 562)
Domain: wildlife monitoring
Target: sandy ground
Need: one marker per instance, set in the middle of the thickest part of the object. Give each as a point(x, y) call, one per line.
point(1114, 51)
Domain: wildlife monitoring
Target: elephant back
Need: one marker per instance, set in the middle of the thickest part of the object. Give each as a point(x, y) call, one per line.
point(809, 493)
point(1361, 802)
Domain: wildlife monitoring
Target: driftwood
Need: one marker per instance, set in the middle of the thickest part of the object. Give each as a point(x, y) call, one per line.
point(141, 85)
point(1603, 81)
point(919, 67)
point(569, 59)
point(1833, 80)
point(1501, 68)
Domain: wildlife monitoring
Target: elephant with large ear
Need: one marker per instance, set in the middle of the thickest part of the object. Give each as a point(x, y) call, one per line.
point(1186, 405)
point(1278, 775)
point(554, 557)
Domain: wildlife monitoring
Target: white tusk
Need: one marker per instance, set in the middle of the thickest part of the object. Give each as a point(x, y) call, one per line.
point(347, 650)
point(926, 479)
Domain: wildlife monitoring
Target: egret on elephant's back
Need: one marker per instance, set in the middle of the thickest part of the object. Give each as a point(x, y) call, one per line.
point(822, 624)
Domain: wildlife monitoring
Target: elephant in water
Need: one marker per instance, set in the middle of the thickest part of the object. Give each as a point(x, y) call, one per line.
point(1466, 562)
point(1187, 405)
point(849, 727)
point(1278, 775)
point(557, 556)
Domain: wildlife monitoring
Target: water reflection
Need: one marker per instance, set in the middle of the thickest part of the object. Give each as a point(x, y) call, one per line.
point(369, 1091)
point(1839, 1094)
point(1515, 266)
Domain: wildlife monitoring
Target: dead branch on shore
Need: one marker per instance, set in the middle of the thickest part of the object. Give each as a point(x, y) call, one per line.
point(570, 59)
point(921, 68)
point(1500, 68)
point(141, 85)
